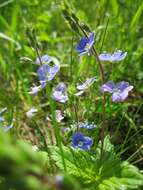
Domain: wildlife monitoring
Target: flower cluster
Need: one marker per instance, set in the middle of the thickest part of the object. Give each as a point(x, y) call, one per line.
point(46, 73)
point(119, 91)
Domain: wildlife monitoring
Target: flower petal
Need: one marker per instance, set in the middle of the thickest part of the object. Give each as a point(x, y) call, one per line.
point(86, 84)
point(80, 141)
point(105, 57)
point(59, 116)
point(122, 56)
point(43, 59)
point(80, 47)
point(119, 96)
point(116, 56)
point(35, 89)
point(108, 87)
point(60, 93)
point(122, 85)
point(85, 44)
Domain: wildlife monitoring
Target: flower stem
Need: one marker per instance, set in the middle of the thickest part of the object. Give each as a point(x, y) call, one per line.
point(94, 51)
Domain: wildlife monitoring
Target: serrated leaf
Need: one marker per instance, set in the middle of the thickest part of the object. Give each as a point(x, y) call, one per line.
point(100, 173)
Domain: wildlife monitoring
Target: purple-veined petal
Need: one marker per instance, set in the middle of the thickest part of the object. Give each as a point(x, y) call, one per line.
point(42, 73)
point(119, 96)
point(85, 44)
point(122, 85)
point(129, 88)
point(90, 41)
point(105, 57)
point(116, 56)
point(53, 71)
point(80, 141)
point(60, 93)
point(108, 87)
point(60, 97)
point(47, 73)
point(91, 38)
point(122, 56)
point(60, 87)
point(43, 59)
point(119, 91)
point(80, 47)
point(87, 143)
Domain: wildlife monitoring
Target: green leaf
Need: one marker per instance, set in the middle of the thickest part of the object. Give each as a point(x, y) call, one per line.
point(101, 171)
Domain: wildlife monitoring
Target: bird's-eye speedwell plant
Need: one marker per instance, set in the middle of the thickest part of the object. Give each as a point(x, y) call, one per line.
point(74, 149)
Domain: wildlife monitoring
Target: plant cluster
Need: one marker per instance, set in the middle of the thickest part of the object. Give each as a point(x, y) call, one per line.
point(79, 154)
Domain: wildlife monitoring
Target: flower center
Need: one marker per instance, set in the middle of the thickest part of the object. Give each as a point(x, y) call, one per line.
point(115, 90)
point(80, 143)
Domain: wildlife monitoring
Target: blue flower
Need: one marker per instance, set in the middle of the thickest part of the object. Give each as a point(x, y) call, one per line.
point(47, 73)
point(86, 125)
point(80, 141)
point(86, 44)
point(85, 85)
point(119, 91)
point(35, 89)
point(116, 56)
point(43, 59)
point(60, 93)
